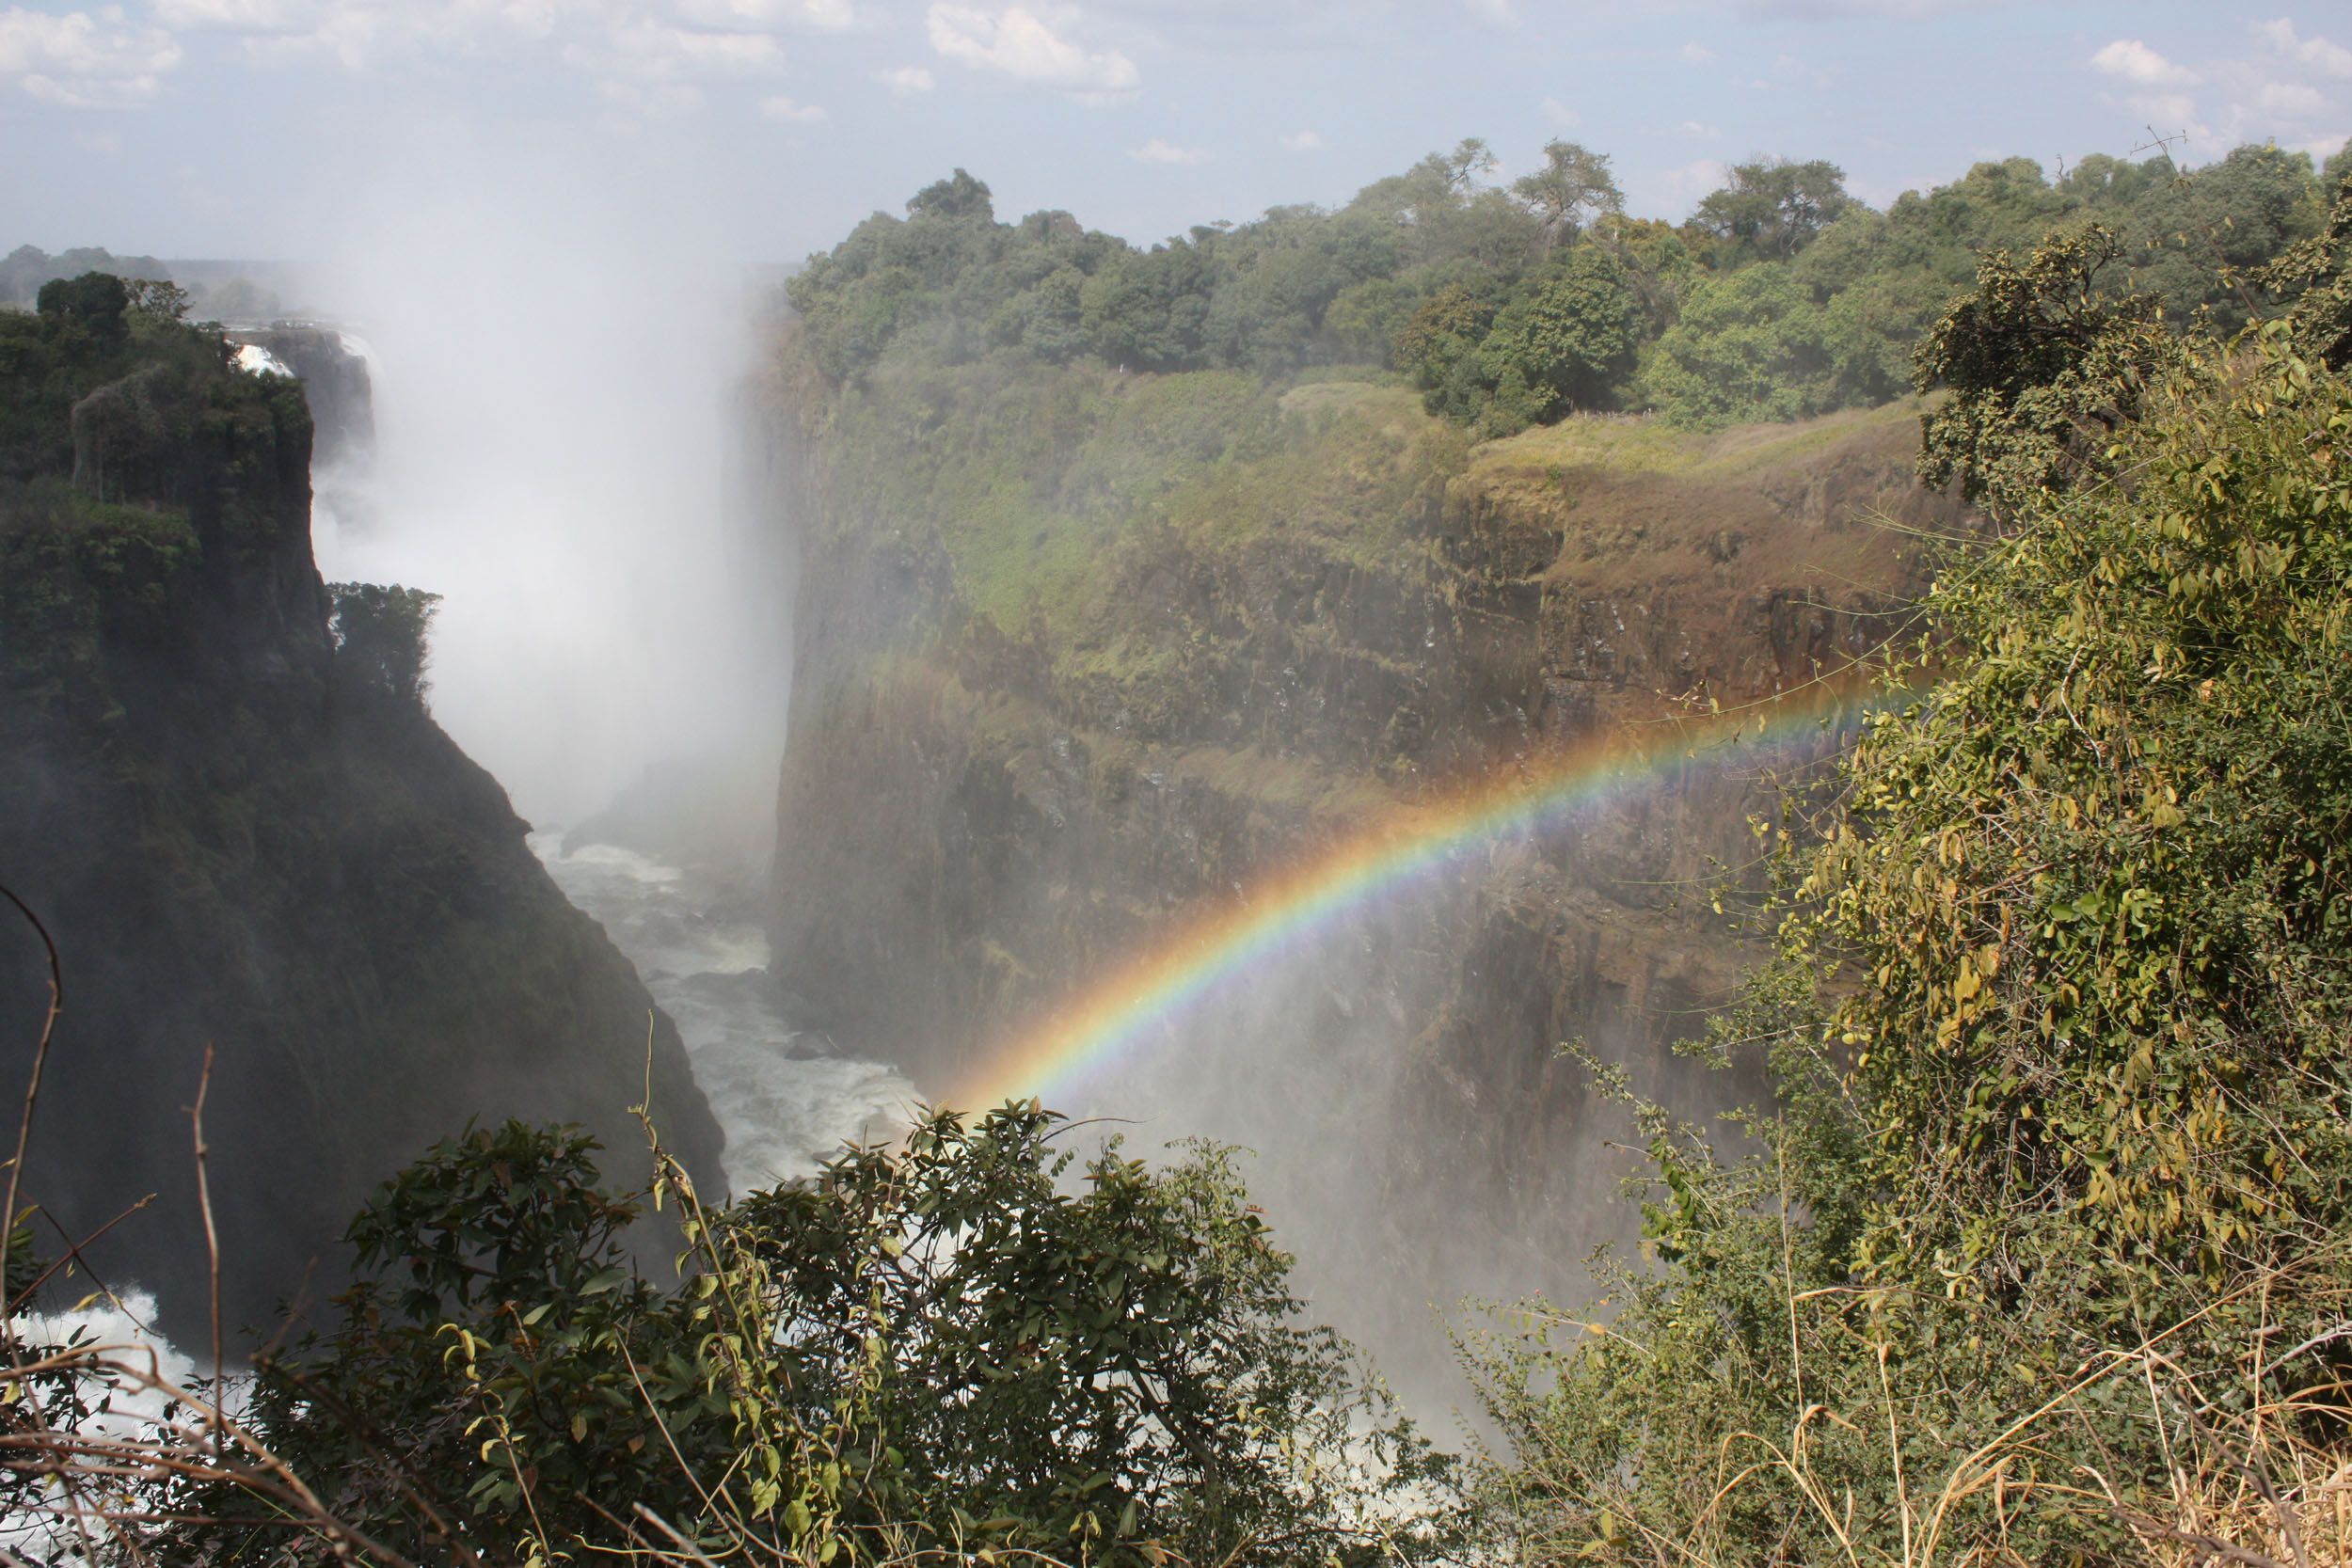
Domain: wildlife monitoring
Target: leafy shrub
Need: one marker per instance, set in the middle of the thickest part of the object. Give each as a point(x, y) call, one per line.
point(941, 1349)
point(380, 635)
point(2061, 1017)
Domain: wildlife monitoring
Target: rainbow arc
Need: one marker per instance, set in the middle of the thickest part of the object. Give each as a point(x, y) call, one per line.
point(1290, 910)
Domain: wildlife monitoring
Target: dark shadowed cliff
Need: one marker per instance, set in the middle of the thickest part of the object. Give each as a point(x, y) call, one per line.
point(244, 829)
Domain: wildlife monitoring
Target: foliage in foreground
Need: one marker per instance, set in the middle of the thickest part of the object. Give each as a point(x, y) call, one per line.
point(933, 1350)
point(2043, 1258)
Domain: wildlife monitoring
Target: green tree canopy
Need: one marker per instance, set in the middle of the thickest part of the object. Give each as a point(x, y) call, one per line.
point(1770, 209)
point(964, 1344)
point(1572, 188)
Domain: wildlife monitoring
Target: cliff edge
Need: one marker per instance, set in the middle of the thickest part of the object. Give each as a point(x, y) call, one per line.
point(1082, 655)
point(244, 830)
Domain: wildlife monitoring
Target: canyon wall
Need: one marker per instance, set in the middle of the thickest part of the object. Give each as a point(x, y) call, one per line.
point(244, 833)
point(1080, 655)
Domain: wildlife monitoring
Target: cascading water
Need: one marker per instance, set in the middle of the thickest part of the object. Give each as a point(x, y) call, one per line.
point(558, 455)
point(783, 1099)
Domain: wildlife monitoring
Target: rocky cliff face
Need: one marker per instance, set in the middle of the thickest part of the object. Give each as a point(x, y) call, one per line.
point(1080, 659)
point(239, 837)
point(335, 383)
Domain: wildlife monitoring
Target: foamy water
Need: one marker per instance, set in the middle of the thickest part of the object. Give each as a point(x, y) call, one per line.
point(782, 1099)
point(261, 361)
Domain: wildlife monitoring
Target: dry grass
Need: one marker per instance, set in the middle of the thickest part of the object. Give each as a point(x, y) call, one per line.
point(2253, 1474)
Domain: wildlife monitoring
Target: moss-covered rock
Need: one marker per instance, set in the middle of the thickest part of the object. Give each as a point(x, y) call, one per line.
point(238, 841)
point(1084, 658)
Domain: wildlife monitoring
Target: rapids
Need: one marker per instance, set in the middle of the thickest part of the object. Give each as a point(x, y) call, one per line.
point(783, 1099)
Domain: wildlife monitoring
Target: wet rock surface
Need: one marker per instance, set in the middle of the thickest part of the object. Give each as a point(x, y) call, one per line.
point(975, 822)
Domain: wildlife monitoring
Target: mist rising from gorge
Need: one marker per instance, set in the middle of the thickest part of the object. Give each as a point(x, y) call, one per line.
point(559, 357)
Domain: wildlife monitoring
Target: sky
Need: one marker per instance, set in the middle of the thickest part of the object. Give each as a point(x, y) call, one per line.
point(766, 128)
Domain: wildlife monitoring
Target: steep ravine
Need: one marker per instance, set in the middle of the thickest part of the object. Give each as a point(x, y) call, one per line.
point(1079, 658)
point(242, 836)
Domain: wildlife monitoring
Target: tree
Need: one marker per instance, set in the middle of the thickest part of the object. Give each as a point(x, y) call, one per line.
point(1750, 346)
point(1573, 187)
point(380, 636)
point(2314, 277)
point(2043, 366)
point(95, 302)
point(2196, 239)
point(1770, 208)
point(2060, 1021)
point(1439, 348)
point(1569, 340)
point(959, 195)
point(1458, 171)
point(159, 299)
point(943, 1349)
point(1149, 311)
point(1444, 214)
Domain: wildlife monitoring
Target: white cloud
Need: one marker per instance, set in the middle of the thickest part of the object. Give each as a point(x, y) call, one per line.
point(651, 56)
point(906, 80)
point(1684, 186)
point(2321, 54)
point(655, 69)
point(821, 16)
point(1157, 151)
point(362, 34)
point(1301, 141)
point(1497, 11)
point(2171, 111)
point(1831, 10)
point(1702, 133)
point(2141, 66)
point(1018, 44)
point(2293, 99)
point(791, 113)
point(82, 61)
point(649, 51)
point(238, 16)
point(1561, 115)
point(1793, 69)
point(1696, 53)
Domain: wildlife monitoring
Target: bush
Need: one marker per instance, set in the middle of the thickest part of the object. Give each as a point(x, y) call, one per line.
point(380, 636)
point(2062, 1019)
point(939, 1350)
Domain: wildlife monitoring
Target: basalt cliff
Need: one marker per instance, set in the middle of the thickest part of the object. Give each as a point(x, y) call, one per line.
point(226, 803)
point(1082, 655)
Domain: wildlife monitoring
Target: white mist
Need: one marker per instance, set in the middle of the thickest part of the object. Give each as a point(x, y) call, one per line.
point(557, 355)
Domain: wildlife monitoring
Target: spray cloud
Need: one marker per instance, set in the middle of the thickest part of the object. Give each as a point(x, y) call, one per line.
point(558, 350)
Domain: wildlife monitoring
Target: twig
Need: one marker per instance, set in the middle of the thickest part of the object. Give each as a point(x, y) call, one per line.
point(684, 1546)
point(32, 1096)
point(2251, 1468)
point(212, 1233)
point(372, 1439)
point(74, 1248)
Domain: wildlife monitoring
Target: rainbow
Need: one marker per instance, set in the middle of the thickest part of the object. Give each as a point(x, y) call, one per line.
point(1288, 909)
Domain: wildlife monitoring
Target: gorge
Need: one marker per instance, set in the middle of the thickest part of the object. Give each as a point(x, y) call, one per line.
point(1325, 614)
point(1028, 784)
point(221, 792)
point(1085, 656)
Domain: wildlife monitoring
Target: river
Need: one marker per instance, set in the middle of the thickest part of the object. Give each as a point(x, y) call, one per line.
point(783, 1097)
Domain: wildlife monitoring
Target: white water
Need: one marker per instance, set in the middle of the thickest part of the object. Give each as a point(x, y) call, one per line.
point(784, 1102)
point(261, 361)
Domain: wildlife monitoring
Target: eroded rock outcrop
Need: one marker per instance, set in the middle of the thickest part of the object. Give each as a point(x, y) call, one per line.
point(239, 840)
point(1328, 611)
